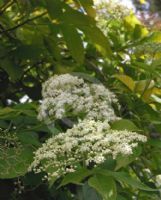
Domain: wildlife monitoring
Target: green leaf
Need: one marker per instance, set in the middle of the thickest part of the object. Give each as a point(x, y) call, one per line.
point(119, 197)
point(32, 179)
point(126, 179)
point(109, 164)
point(98, 39)
point(26, 106)
point(140, 32)
point(74, 42)
point(53, 129)
point(155, 37)
point(76, 18)
point(71, 17)
point(52, 181)
point(142, 85)
point(32, 51)
point(87, 193)
point(87, 5)
point(123, 161)
point(133, 182)
point(65, 14)
point(15, 72)
point(14, 112)
point(27, 137)
point(3, 124)
point(124, 124)
point(51, 45)
point(157, 91)
point(154, 143)
point(86, 77)
point(104, 185)
point(8, 113)
point(76, 177)
point(131, 21)
point(54, 8)
point(14, 162)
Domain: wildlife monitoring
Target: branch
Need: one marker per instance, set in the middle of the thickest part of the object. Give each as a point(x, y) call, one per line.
point(8, 35)
point(5, 6)
point(23, 23)
point(141, 178)
point(90, 65)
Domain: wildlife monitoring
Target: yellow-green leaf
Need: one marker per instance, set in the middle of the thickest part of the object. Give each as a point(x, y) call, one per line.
point(142, 1)
point(126, 80)
point(124, 124)
point(142, 85)
point(156, 37)
point(157, 91)
point(131, 21)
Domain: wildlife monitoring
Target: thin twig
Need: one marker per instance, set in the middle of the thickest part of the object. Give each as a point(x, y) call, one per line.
point(23, 23)
point(5, 6)
point(90, 64)
point(8, 35)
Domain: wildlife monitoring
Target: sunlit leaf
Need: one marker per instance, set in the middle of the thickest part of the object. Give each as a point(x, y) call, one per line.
point(124, 124)
point(142, 1)
point(126, 80)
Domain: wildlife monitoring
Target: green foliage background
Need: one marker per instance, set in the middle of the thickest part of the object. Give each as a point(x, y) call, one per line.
point(46, 37)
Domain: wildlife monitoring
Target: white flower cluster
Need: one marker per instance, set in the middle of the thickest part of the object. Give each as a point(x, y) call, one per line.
point(108, 12)
point(112, 9)
point(87, 143)
point(69, 96)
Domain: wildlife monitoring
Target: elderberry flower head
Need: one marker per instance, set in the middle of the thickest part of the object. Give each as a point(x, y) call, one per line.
point(70, 96)
point(86, 144)
point(112, 9)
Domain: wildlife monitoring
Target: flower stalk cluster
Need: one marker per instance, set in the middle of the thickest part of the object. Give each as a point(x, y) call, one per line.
point(8, 140)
